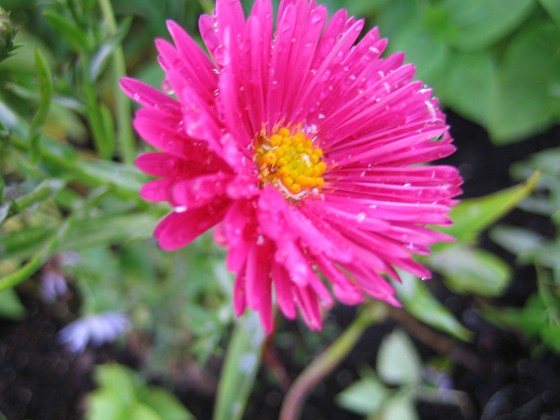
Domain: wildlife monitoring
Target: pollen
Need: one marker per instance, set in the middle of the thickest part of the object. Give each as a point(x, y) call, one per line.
point(290, 161)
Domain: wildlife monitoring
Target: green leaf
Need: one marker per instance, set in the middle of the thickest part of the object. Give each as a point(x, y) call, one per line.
point(419, 302)
point(472, 216)
point(518, 241)
point(479, 23)
point(398, 362)
point(468, 84)
point(103, 54)
point(470, 270)
point(428, 53)
point(140, 411)
point(365, 397)
point(44, 78)
point(72, 34)
point(553, 9)
point(164, 403)
point(400, 407)
point(527, 97)
point(10, 305)
point(118, 380)
point(240, 368)
point(103, 405)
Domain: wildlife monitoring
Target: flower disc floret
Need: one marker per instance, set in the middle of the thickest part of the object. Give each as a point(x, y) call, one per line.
point(290, 161)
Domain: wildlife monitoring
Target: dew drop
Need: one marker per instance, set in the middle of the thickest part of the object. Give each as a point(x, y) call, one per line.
point(360, 217)
point(180, 209)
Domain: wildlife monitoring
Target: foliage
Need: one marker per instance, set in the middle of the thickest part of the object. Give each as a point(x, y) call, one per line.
point(67, 184)
point(122, 394)
point(497, 62)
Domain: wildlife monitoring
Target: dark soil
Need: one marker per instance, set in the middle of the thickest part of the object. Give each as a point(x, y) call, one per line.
point(502, 376)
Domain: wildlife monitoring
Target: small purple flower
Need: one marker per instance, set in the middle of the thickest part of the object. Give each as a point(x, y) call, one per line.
point(98, 329)
point(53, 285)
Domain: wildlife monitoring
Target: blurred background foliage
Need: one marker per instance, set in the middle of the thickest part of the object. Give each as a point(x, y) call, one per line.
point(75, 236)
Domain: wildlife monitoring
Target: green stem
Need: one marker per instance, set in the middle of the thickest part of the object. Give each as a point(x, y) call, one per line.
point(125, 137)
point(95, 119)
point(328, 360)
point(35, 263)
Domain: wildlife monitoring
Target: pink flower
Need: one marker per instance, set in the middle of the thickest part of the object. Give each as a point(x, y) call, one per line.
point(303, 149)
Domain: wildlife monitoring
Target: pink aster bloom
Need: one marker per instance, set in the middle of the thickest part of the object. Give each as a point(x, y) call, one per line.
point(304, 149)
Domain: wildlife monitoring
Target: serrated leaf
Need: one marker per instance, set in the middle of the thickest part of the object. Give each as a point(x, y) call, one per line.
point(365, 397)
point(470, 270)
point(398, 362)
point(479, 23)
point(420, 303)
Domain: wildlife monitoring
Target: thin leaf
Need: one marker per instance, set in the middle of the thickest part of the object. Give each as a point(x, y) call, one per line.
point(418, 301)
point(10, 305)
point(44, 78)
point(470, 270)
point(240, 368)
point(72, 34)
point(473, 215)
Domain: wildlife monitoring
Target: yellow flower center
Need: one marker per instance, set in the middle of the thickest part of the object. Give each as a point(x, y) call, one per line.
point(290, 161)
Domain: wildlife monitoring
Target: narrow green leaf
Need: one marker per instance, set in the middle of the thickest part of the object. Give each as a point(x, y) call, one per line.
point(44, 78)
point(473, 215)
point(398, 362)
point(103, 54)
point(41, 192)
point(72, 34)
point(10, 305)
point(240, 368)
point(419, 302)
point(470, 270)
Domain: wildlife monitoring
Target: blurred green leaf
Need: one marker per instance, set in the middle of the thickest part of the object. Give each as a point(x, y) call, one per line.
point(420, 303)
point(479, 23)
point(104, 52)
point(10, 305)
point(428, 53)
point(163, 403)
point(365, 397)
point(473, 215)
point(71, 33)
point(398, 362)
point(44, 78)
point(240, 368)
point(105, 405)
point(553, 9)
point(520, 242)
point(471, 270)
point(468, 83)
point(400, 407)
point(118, 380)
point(528, 90)
point(140, 411)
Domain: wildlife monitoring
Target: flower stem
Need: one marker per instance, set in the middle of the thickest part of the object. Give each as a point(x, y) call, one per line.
point(329, 359)
point(125, 139)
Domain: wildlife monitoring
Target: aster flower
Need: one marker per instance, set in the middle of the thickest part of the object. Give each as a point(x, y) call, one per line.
point(303, 148)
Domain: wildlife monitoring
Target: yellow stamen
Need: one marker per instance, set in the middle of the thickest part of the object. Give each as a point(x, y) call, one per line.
point(290, 161)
